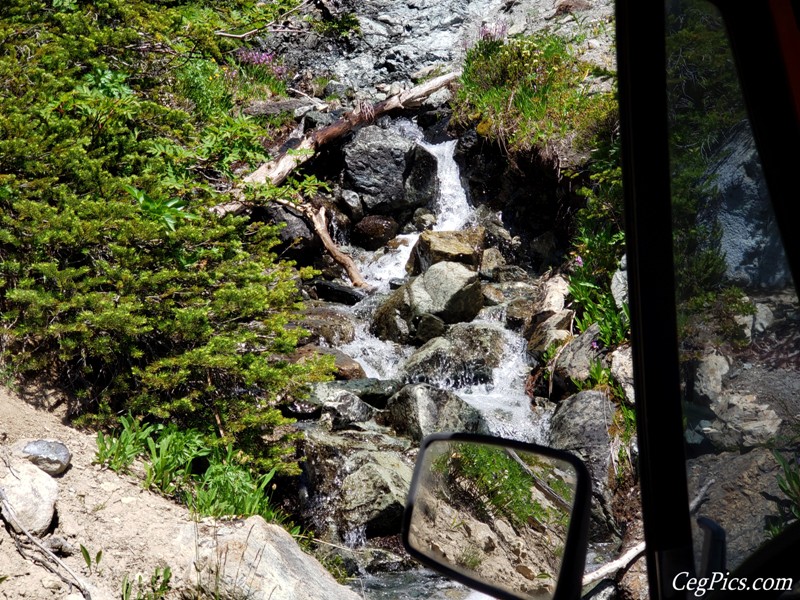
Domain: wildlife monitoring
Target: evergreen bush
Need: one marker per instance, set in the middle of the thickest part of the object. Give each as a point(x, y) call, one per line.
point(116, 280)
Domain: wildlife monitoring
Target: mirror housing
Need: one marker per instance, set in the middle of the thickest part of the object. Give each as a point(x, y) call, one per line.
point(506, 518)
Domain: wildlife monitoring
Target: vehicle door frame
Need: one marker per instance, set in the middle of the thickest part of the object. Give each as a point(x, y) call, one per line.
point(642, 80)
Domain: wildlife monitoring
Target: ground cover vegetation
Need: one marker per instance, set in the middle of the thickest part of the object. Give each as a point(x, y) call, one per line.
point(531, 93)
point(119, 129)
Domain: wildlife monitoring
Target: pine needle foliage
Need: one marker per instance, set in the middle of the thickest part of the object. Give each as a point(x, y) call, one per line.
point(115, 278)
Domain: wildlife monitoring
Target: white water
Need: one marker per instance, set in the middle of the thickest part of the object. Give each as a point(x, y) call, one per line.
point(504, 404)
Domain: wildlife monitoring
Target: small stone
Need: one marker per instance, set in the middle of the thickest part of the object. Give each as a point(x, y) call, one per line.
point(50, 456)
point(52, 583)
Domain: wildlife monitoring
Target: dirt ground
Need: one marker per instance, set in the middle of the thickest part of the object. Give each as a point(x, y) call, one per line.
point(96, 508)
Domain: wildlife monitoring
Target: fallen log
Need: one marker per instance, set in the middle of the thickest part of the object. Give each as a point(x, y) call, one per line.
point(275, 172)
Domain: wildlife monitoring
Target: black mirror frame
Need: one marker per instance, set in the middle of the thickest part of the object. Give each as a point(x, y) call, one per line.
point(569, 584)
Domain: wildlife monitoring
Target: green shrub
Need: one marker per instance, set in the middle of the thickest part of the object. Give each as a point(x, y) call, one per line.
point(526, 91)
point(116, 281)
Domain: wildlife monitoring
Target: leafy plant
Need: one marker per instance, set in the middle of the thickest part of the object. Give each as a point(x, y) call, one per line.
point(470, 558)
point(789, 481)
point(157, 589)
point(490, 480)
point(229, 488)
point(170, 458)
point(91, 563)
point(166, 212)
point(119, 452)
point(525, 91)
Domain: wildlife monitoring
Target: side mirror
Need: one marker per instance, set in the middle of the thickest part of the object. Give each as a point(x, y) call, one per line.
point(506, 518)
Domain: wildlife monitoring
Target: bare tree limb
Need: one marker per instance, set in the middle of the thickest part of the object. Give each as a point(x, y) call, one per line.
point(10, 516)
point(632, 554)
point(252, 32)
point(275, 172)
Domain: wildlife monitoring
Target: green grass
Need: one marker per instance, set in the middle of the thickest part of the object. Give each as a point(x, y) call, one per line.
point(527, 91)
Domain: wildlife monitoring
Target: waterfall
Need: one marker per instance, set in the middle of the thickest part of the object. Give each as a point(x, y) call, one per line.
point(504, 404)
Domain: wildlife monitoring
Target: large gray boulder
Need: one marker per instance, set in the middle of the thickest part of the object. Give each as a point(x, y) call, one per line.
point(465, 355)
point(392, 174)
point(326, 323)
point(580, 425)
point(450, 292)
point(575, 361)
point(464, 247)
point(421, 409)
point(31, 493)
point(250, 558)
point(377, 475)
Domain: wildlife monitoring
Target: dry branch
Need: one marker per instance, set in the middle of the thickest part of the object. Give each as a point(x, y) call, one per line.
point(11, 518)
point(632, 554)
point(275, 172)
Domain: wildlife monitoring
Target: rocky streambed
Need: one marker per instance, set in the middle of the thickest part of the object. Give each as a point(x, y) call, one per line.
point(446, 340)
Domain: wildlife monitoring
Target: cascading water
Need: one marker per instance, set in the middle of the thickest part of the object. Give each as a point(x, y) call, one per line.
point(504, 404)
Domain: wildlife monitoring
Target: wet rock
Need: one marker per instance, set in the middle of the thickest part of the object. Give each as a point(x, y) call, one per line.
point(449, 291)
point(421, 182)
point(346, 366)
point(427, 327)
point(328, 324)
point(346, 409)
point(375, 392)
point(520, 313)
point(51, 456)
point(391, 173)
point(252, 558)
point(423, 219)
point(580, 425)
point(352, 205)
point(330, 458)
point(555, 329)
point(374, 495)
point(374, 164)
point(465, 355)
point(338, 292)
point(506, 273)
point(491, 259)
point(32, 494)
point(420, 409)
point(374, 231)
point(297, 239)
point(465, 247)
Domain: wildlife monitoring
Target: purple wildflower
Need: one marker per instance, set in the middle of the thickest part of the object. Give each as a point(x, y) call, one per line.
point(578, 260)
point(255, 57)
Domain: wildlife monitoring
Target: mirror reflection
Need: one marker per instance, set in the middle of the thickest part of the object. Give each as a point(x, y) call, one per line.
point(493, 513)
